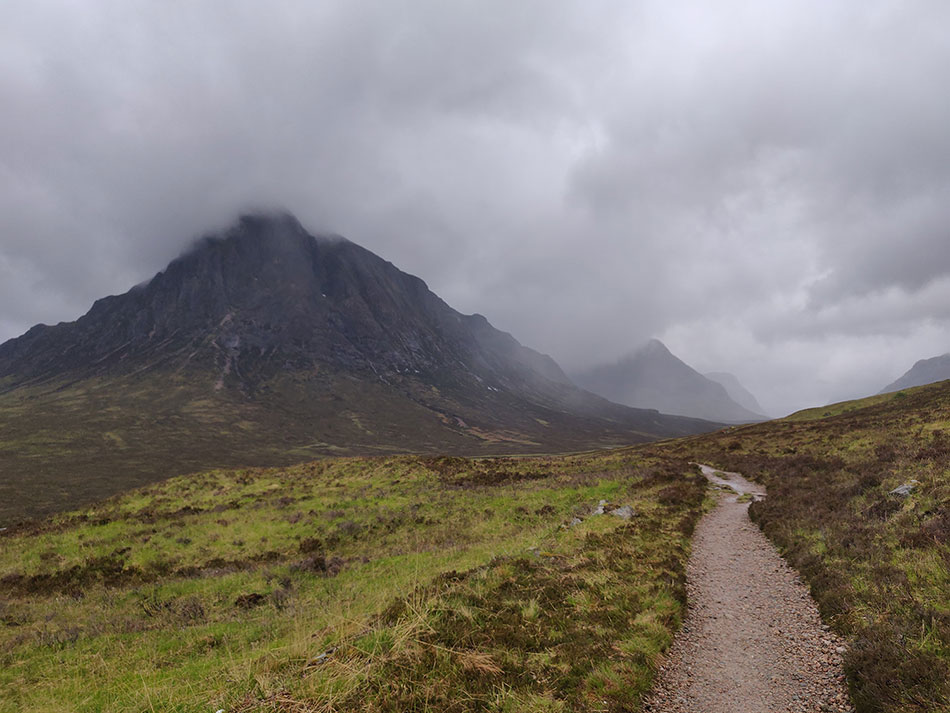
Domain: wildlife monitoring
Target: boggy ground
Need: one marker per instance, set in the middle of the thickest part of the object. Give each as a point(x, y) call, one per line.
point(753, 641)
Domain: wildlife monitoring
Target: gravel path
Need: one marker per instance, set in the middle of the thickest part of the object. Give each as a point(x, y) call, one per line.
point(752, 641)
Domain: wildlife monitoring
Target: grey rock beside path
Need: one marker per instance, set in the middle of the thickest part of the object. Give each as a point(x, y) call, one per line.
point(624, 513)
point(753, 641)
point(905, 489)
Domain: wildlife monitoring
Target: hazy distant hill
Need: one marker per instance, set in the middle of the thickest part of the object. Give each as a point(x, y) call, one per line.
point(652, 377)
point(925, 371)
point(737, 392)
point(267, 345)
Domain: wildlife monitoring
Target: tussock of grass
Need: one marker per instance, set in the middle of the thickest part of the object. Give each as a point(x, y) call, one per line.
point(353, 584)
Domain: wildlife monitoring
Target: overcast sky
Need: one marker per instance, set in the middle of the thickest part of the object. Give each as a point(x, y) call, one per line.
point(765, 186)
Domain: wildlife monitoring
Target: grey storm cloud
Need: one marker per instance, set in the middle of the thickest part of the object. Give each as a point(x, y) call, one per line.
point(764, 186)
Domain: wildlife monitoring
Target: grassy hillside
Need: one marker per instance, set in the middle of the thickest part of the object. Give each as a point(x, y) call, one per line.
point(388, 584)
point(63, 445)
point(841, 407)
point(67, 444)
point(878, 563)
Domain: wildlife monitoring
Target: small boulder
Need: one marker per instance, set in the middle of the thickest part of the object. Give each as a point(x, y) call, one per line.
point(600, 508)
point(575, 522)
point(905, 489)
point(624, 513)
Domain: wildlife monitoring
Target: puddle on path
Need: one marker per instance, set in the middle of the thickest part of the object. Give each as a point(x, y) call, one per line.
point(732, 480)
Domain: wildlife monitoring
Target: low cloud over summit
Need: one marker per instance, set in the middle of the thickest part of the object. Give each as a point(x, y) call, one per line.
point(764, 187)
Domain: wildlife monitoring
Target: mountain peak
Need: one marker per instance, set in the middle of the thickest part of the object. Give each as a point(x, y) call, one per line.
point(737, 392)
point(270, 218)
point(277, 232)
point(654, 377)
point(654, 347)
point(262, 294)
point(265, 297)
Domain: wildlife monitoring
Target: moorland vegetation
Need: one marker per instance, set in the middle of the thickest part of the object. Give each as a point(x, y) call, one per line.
point(385, 584)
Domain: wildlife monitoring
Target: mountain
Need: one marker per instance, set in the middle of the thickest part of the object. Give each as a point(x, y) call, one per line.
point(266, 298)
point(737, 392)
point(925, 371)
point(266, 345)
point(652, 377)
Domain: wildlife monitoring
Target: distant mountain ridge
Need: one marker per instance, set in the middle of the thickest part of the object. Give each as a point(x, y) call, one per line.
point(925, 371)
point(265, 344)
point(737, 392)
point(652, 377)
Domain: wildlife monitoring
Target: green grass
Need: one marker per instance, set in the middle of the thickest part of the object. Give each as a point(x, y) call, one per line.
point(445, 583)
point(843, 407)
point(878, 564)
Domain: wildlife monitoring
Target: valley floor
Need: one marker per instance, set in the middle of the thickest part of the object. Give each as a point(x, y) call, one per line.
point(506, 584)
